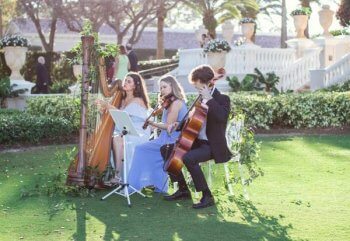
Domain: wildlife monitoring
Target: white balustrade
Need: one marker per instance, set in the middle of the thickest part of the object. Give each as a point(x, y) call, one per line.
point(243, 60)
point(334, 74)
point(240, 60)
point(293, 73)
point(189, 59)
point(298, 74)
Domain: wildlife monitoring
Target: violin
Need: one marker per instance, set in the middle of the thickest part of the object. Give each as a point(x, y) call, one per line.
point(164, 104)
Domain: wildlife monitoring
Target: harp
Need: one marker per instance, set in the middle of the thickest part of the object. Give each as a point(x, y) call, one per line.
point(95, 147)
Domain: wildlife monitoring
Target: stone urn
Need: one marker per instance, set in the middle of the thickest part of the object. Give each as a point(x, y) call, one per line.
point(15, 57)
point(216, 60)
point(300, 24)
point(326, 19)
point(77, 71)
point(248, 32)
point(227, 31)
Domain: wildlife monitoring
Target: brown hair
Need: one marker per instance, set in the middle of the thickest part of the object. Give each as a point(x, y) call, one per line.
point(202, 73)
point(140, 87)
point(177, 89)
point(122, 49)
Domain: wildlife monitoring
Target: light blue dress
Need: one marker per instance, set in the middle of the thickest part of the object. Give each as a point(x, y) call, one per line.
point(138, 115)
point(147, 164)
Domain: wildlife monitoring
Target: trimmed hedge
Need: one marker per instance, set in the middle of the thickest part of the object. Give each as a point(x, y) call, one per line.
point(55, 118)
point(62, 106)
point(25, 128)
point(310, 110)
point(150, 64)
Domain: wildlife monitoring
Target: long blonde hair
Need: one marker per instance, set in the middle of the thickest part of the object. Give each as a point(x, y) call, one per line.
point(177, 89)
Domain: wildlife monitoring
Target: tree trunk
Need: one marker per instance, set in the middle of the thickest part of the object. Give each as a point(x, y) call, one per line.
point(160, 30)
point(210, 22)
point(284, 25)
point(0, 21)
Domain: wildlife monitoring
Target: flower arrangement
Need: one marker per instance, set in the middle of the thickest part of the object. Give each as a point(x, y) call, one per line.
point(247, 20)
point(217, 45)
point(301, 11)
point(14, 40)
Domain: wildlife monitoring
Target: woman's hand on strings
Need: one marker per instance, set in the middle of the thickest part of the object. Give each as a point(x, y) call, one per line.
point(103, 105)
point(172, 127)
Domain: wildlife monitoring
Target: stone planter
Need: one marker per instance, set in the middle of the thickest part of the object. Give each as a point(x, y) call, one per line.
point(77, 71)
point(326, 19)
point(300, 24)
point(248, 32)
point(15, 58)
point(217, 60)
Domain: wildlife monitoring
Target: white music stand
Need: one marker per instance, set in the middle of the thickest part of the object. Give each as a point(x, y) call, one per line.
point(125, 126)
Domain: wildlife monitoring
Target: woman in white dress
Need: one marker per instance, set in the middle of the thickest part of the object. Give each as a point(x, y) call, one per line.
point(136, 103)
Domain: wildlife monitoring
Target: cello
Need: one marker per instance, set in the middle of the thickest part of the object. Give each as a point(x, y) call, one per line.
point(189, 133)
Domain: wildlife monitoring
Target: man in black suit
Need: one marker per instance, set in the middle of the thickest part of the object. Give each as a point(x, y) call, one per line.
point(211, 142)
point(42, 76)
point(132, 58)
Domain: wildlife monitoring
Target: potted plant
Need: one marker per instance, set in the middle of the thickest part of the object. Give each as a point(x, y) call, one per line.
point(15, 47)
point(248, 28)
point(216, 50)
point(300, 17)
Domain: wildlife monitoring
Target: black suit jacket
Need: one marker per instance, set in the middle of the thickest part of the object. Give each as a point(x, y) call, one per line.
point(218, 113)
point(133, 61)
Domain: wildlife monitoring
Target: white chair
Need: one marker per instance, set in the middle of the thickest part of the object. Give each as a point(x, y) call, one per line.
point(233, 135)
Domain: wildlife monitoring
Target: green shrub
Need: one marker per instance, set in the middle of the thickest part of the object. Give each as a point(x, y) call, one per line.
point(308, 110)
point(64, 106)
point(150, 64)
point(338, 87)
point(26, 128)
point(61, 86)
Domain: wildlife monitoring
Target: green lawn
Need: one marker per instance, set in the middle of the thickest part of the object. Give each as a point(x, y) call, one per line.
point(304, 195)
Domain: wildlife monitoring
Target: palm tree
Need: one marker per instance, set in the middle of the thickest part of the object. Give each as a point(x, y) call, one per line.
point(239, 9)
point(209, 9)
point(284, 25)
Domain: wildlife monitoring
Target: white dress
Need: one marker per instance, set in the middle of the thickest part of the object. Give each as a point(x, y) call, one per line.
point(138, 115)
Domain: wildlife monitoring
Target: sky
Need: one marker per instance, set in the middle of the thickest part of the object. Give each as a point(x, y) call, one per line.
point(265, 24)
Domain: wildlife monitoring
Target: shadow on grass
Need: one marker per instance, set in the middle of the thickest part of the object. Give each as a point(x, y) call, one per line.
point(155, 219)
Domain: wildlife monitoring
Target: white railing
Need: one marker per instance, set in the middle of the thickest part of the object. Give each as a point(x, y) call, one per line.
point(297, 74)
point(244, 60)
point(189, 59)
point(240, 60)
point(294, 73)
point(334, 74)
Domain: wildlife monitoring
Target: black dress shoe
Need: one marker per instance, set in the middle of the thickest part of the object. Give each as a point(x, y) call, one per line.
point(205, 201)
point(179, 194)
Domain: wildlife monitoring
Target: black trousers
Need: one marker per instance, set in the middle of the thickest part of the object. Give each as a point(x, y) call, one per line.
point(200, 152)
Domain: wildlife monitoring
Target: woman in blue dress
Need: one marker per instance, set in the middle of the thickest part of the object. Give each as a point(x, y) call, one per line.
point(147, 165)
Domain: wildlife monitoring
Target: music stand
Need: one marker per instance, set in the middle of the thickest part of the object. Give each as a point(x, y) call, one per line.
point(125, 126)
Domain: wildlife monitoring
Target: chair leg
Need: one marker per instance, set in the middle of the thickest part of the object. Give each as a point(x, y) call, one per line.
point(227, 176)
point(210, 182)
point(240, 169)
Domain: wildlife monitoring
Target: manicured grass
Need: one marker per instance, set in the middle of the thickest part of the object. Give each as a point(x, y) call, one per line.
point(304, 195)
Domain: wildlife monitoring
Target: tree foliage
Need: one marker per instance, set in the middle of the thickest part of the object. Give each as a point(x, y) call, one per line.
point(343, 13)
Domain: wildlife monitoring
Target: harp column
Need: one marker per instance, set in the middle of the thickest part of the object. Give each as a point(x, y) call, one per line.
point(87, 44)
